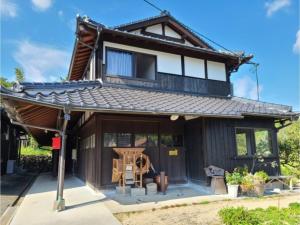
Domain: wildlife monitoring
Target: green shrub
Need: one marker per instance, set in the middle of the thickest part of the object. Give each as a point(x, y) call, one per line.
point(288, 170)
point(241, 170)
point(46, 151)
point(239, 215)
point(261, 176)
point(233, 178)
point(271, 215)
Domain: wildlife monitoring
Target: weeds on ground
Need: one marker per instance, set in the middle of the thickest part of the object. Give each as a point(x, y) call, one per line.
point(270, 216)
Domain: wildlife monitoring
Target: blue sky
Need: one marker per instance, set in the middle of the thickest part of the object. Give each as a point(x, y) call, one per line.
point(38, 36)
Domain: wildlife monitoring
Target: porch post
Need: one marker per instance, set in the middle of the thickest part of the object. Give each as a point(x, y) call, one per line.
point(59, 204)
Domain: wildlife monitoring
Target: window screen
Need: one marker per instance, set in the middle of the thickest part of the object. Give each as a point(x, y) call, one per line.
point(110, 140)
point(124, 140)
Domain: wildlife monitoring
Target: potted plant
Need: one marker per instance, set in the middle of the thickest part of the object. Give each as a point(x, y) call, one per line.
point(247, 184)
point(233, 181)
point(260, 179)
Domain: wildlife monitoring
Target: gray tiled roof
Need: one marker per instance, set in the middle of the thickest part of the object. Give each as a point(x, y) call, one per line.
point(92, 95)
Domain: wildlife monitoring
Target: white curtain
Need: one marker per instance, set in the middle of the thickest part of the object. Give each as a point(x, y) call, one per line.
point(119, 63)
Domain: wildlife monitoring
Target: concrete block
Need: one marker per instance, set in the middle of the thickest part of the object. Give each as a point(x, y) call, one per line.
point(151, 188)
point(137, 192)
point(120, 190)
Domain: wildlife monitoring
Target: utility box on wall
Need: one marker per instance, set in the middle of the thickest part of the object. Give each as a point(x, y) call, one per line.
point(56, 143)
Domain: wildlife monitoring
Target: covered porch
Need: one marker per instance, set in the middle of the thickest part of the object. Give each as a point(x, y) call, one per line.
point(93, 119)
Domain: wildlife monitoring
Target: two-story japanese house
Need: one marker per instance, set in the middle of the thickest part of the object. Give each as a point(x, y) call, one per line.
point(155, 84)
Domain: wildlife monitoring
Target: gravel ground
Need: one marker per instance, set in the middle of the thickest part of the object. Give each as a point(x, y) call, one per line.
point(199, 213)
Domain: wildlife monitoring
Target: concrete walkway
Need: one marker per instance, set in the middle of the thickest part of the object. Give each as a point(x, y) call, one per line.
point(12, 185)
point(83, 205)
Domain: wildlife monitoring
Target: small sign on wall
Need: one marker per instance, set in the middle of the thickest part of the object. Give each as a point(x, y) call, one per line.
point(56, 143)
point(173, 152)
point(74, 154)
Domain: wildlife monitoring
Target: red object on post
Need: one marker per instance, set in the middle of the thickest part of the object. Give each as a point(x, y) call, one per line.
point(56, 143)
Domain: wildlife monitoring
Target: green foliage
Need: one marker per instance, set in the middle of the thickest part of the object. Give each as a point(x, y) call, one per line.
point(289, 146)
point(239, 215)
point(241, 170)
point(36, 151)
point(262, 142)
point(5, 83)
point(248, 182)
point(64, 78)
point(262, 176)
point(233, 178)
point(288, 170)
point(271, 215)
point(241, 141)
point(19, 75)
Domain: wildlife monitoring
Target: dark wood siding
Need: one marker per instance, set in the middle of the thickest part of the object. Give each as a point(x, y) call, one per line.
point(207, 141)
point(178, 83)
point(194, 145)
point(87, 158)
point(221, 145)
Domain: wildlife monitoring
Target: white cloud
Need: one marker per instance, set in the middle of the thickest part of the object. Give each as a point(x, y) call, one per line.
point(60, 13)
point(296, 46)
point(42, 5)
point(276, 5)
point(42, 63)
point(8, 8)
point(246, 87)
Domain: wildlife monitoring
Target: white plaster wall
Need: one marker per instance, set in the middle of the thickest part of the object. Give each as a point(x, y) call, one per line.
point(138, 31)
point(169, 63)
point(216, 71)
point(194, 67)
point(166, 62)
point(171, 33)
point(188, 43)
point(157, 29)
point(91, 75)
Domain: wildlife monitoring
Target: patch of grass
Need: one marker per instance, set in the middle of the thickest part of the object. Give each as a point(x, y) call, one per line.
point(45, 151)
point(204, 202)
point(271, 215)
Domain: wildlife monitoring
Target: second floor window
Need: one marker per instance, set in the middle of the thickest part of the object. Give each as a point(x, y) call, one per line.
point(119, 63)
point(130, 64)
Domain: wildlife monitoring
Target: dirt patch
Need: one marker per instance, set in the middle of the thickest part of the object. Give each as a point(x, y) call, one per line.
point(199, 212)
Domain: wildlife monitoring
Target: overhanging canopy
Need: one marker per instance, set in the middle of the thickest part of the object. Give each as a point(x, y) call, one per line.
point(41, 103)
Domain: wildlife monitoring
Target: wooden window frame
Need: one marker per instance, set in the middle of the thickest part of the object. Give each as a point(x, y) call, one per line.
point(252, 150)
point(134, 63)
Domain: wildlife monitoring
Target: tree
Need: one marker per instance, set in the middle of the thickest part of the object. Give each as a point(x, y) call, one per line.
point(19, 75)
point(5, 83)
point(64, 78)
point(289, 145)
